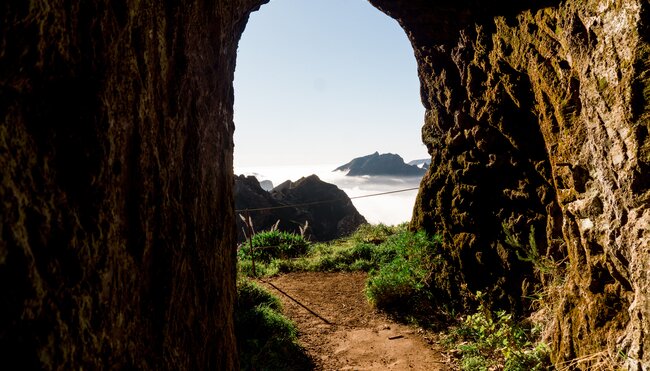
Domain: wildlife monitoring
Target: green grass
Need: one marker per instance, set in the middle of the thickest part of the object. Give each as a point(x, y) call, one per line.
point(399, 263)
point(401, 267)
point(402, 279)
point(266, 340)
point(269, 245)
point(360, 252)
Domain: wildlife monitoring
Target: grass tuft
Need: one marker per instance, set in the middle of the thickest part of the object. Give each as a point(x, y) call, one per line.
point(274, 244)
point(265, 338)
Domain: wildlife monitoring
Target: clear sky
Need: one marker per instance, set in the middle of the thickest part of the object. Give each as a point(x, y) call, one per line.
point(322, 82)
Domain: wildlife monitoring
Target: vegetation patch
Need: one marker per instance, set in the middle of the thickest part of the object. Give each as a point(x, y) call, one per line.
point(488, 340)
point(360, 252)
point(400, 265)
point(266, 340)
point(402, 268)
point(274, 244)
point(402, 282)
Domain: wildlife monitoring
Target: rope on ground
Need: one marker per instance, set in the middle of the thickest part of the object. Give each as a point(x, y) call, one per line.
point(325, 201)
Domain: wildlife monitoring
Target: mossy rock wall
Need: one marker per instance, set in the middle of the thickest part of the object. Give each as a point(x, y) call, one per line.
point(537, 116)
point(117, 235)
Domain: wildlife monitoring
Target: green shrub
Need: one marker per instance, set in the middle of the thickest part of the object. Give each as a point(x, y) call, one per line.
point(394, 284)
point(532, 359)
point(261, 269)
point(474, 363)
point(266, 339)
point(497, 337)
point(269, 245)
point(406, 262)
point(250, 294)
point(375, 234)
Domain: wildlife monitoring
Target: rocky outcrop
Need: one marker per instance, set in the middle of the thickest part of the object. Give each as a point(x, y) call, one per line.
point(537, 123)
point(386, 164)
point(328, 210)
point(117, 235)
point(266, 185)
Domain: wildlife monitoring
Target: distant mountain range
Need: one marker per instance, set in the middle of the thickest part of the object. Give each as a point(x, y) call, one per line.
point(422, 164)
point(386, 164)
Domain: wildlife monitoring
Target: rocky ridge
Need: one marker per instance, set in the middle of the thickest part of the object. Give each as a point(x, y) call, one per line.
point(326, 221)
point(385, 164)
point(422, 163)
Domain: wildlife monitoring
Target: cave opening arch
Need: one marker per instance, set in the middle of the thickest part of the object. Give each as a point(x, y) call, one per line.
point(319, 83)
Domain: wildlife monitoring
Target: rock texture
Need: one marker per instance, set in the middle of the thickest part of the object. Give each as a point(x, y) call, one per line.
point(117, 235)
point(327, 209)
point(537, 123)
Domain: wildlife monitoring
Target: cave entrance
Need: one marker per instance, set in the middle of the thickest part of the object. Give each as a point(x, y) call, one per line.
point(319, 83)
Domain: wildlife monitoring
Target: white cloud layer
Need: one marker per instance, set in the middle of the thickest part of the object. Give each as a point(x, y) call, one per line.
point(388, 209)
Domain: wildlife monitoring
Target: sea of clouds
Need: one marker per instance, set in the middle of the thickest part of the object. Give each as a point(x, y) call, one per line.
point(388, 209)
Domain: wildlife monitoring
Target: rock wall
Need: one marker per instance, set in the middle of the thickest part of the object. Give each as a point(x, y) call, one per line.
point(116, 226)
point(537, 120)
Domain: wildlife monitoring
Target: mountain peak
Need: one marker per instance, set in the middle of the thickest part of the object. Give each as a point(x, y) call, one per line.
point(386, 164)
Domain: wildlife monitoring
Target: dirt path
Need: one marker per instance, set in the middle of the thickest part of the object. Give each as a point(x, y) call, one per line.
point(357, 337)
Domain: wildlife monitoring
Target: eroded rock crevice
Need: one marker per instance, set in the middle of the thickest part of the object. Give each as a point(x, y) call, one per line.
point(536, 121)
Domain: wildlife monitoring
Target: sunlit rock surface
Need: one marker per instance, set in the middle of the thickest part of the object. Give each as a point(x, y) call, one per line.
point(537, 122)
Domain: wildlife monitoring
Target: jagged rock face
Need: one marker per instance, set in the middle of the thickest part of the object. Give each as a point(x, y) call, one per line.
point(117, 235)
point(538, 117)
point(326, 210)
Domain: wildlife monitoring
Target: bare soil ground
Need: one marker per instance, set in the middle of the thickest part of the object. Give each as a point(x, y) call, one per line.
point(356, 337)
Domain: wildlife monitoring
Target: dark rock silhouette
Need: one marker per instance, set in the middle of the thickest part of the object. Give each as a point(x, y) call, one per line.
point(117, 231)
point(386, 164)
point(266, 185)
point(326, 220)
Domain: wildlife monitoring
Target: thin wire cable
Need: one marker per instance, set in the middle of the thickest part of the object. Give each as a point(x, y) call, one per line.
point(325, 201)
point(386, 193)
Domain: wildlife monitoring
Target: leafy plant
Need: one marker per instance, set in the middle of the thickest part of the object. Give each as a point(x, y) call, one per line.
point(497, 337)
point(545, 267)
point(376, 234)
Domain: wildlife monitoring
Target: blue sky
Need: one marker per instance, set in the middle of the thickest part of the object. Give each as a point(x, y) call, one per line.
point(322, 82)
